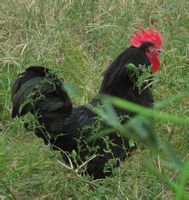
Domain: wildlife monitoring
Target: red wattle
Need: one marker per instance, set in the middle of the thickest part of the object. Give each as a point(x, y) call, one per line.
point(154, 59)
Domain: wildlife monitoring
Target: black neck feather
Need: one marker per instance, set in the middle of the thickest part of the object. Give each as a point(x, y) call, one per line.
point(117, 79)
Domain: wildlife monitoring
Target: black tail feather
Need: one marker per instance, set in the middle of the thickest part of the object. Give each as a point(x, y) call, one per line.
point(38, 90)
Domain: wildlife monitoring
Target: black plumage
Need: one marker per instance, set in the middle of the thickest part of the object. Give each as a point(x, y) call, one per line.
point(66, 127)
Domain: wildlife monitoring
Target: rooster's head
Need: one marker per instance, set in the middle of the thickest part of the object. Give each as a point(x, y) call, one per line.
point(152, 40)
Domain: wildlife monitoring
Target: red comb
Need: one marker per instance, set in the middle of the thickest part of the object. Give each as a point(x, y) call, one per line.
point(145, 36)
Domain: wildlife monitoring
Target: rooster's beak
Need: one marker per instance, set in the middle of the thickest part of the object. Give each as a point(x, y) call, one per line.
point(160, 50)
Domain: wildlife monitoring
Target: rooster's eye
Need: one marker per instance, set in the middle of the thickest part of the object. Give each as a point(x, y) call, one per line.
point(151, 50)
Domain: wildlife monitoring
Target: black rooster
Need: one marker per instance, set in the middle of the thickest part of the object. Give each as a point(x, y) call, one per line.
point(67, 128)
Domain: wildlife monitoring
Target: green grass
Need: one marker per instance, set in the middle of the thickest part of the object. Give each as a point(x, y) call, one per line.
point(79, 39)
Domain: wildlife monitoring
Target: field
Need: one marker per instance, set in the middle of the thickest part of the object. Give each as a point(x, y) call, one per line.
point(78, 40)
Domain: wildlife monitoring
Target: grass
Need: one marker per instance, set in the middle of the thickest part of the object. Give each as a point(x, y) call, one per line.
point(79, 39)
